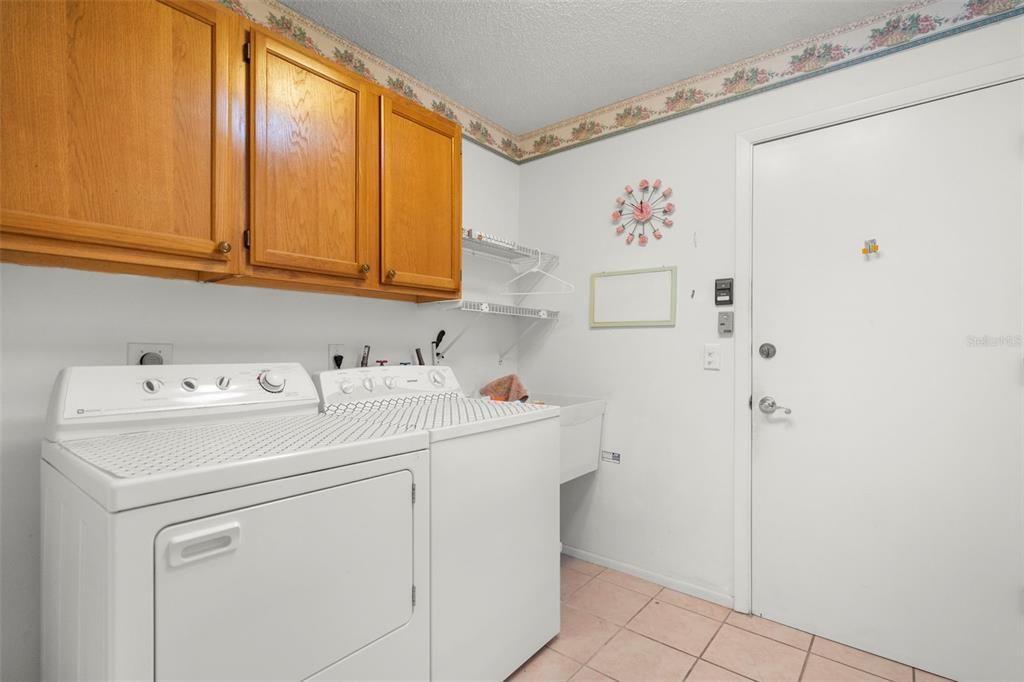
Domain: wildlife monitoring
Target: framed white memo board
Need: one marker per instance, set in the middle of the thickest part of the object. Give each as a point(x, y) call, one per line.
point(633, 298)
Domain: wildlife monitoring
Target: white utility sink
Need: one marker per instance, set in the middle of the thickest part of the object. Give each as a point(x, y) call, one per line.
point(581, 421)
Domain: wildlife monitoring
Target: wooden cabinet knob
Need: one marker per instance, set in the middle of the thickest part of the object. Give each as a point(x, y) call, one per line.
point(391, 274)
point(365, 267)
point(224, 247)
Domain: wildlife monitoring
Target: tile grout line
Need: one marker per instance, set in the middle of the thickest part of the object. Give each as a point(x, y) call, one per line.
point(660, 587)
point(584, 584)
point(774, 639)
point(718, 665)
point(854, 667)
point(708, 646)
point(807, 652)
point(690, 669)
point(807, 659)
point(619, 628)
point(670, 646)
point(594, 655)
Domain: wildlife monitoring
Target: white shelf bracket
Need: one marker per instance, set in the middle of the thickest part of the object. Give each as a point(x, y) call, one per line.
point(529, 328)
point(444, 351)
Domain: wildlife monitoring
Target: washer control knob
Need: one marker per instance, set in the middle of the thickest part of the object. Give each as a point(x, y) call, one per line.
point(152, 385)
point(347, 386)
point(390, 382)
point(271, 381)
point(436, 377)
point(368, 383)
point(190, 384)
point(223, 383)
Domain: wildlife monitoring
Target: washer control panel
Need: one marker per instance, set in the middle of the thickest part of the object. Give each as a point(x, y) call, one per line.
point(373, 383)
point(107, 391)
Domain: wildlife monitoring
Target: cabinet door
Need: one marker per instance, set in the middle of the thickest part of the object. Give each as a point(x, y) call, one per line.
point(115, 124)
point(311, 147)
point(421, 197)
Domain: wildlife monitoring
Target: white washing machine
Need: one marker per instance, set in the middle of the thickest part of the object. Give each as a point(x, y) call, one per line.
point(205, 522)
point(494, 477)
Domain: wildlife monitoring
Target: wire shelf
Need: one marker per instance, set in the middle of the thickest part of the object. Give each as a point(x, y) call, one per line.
point(504, 250)
point(502, 309)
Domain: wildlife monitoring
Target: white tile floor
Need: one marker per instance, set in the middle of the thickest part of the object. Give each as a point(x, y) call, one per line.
point(617, 627)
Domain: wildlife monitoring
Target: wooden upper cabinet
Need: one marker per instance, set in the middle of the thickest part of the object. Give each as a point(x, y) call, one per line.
point(311, 149)
point(421, 197)
point(115, 125)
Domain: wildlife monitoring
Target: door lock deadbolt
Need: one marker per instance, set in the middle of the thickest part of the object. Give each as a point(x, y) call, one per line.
point(767, 351)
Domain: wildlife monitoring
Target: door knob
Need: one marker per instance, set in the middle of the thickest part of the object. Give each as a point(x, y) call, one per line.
point(224, 247)
point(365, 267)
point(768, 405)
point(391, 274)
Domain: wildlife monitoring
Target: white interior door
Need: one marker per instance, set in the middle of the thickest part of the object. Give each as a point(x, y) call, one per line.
point(282, 590)
point(888, 508)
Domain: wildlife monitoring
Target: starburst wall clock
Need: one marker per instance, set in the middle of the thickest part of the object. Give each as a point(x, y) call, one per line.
point(643, 212)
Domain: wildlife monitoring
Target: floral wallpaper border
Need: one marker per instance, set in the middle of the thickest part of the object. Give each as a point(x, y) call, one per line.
point(916, 23)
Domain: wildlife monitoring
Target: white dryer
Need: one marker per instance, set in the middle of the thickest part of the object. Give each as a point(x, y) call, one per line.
point(494, 512)
point(205, 522)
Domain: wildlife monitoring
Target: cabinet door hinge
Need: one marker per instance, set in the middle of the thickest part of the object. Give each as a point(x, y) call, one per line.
point(414, 493)
point(247, 238)
point(414, 595)
point(247, 52)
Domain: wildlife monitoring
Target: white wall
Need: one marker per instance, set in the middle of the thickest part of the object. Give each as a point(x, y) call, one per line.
point(51, 318)
point(667, 510)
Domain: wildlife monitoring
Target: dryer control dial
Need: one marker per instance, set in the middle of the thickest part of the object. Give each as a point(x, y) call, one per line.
point(271, 382)
point(369, 383)
point(436, 378)
point(390, 382)
point(347, 387)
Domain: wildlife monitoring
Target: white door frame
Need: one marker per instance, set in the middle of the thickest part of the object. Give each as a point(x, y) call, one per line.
point(994, 74)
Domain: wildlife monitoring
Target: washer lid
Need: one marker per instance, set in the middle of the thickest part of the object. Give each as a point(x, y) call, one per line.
point(136, 469)
point(445, 415)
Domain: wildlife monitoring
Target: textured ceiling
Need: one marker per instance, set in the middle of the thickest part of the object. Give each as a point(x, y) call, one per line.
point(526, 64)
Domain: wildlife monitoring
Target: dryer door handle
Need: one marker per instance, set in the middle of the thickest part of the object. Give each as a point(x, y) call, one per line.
point(189, 547)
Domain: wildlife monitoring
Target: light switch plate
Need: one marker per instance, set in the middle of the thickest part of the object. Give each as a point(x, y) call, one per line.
point(137, 350)
point(712, 357)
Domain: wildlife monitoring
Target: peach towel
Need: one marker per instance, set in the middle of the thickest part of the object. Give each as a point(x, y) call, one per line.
point(508, 387)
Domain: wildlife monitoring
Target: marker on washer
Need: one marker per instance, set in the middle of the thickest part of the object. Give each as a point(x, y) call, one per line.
point(366, 357)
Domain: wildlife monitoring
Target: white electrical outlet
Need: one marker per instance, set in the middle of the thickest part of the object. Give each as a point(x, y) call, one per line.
point(332, 350)
point(136, 351)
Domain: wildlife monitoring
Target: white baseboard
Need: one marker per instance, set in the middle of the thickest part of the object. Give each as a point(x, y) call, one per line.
point(671, 583)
